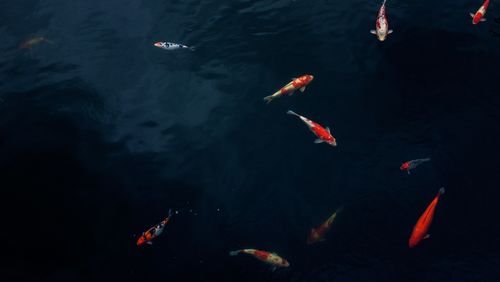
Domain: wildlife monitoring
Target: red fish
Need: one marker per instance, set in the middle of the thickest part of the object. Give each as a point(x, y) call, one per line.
point(318, 234)
point(153, 232)
point(322, 133)
point(270, 258)
point(297, 83)
point(479, 15)
point(420, 231)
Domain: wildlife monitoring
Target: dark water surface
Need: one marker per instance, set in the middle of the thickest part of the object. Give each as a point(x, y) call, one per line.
point(101, 133)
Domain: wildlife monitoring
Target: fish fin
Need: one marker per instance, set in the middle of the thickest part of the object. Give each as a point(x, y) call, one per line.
point(302, 89)
point(427, 236)
point(408, 170)
point(291, 93)
point(149, 243)
point(294, 78)
point(192, 48)
point(441, 190)
point(273, 268)
point(318, 141)
point(471, 15)
point(292, 113)
point(234, 253)
point(482, 20)
point(390, 31)
point(328, 130)
point(373, 31)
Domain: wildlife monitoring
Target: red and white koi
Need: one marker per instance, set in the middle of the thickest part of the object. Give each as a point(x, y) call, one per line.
point(32, 42)
point(322, 133)
point(479, 15)
point(296, 84)
point(421, 229)
point(153, 232)
point(272, 259)
point(381, 25)
point(409, 165)
point(318, 234)
point(172, 46)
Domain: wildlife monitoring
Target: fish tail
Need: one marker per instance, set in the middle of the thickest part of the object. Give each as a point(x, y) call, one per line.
point(292, 113)
point(340, 209)
point(441, 191)
point(192, 48)
point(235, 253)
point(335, 214)
point(170, 212)
point(269, 98)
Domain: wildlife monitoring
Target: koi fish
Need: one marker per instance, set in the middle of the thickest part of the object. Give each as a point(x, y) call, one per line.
point(318, 234)
point(270, 258)
point(424, 222)
point(381, 25)
point(479, 15)
point(172, 46)
point(409, 165)
point(30, 43)
point(322, 133)
point(153, 232)
point(296, 83)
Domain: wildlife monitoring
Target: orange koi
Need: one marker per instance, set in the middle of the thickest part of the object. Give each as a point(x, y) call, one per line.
point(318, 234)
point(296, 84)
point(270, 258)
point(424, 222)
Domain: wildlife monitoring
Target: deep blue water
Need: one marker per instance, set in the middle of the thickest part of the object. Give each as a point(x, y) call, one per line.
point(101, 133)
